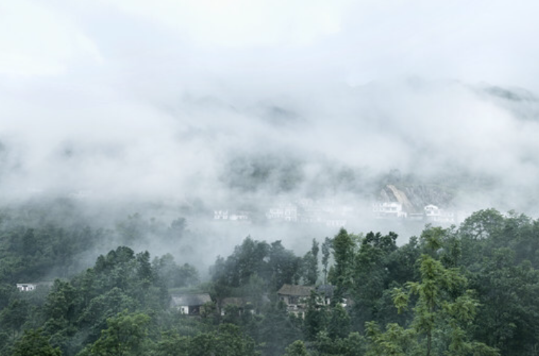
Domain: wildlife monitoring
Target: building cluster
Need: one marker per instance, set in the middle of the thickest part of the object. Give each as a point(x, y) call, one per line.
point(307, 211)
point(294, 297)
point(331, 214)
point(231, 215)
point(394, 210)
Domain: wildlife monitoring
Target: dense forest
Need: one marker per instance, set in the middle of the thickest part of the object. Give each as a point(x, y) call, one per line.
point(462, 290)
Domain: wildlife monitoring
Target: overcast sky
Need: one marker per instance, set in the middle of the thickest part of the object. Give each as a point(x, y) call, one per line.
point(154, 97)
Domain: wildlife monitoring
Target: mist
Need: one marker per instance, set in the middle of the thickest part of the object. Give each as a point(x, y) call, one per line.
point(177, 109)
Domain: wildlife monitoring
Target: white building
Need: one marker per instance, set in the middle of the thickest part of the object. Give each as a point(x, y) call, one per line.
point(388, 210)
point(230, 215)
point(26, 287)
point(286, 212)
point(433, 213)
point(335, 223)
point(190, 304)
point(220, 214)
point(239, 216)
point(290, 213)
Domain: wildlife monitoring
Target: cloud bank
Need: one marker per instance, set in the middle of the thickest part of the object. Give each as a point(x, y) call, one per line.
point(226, 101)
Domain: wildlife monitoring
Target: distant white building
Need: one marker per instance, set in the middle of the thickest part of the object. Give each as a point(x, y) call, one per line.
point(433, 213)
point(326, 212)
point(335, 223)
point(347, 210)
point(290, 213)
point(220, 214)
point(26, 287)
point(284, 212)
point(388, 210)
point(239, 216)
point(230, 215)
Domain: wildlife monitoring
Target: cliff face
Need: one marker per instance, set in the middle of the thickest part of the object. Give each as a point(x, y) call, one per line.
point(415, 197)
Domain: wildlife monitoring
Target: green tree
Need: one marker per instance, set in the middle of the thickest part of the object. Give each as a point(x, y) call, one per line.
point(482, 224)
point(125, 335)
point(172, 344)
point(353, 345)
point(326, 252)
point(297, 348)
point(339, 323)
point(283, 265)
point(276, 330)
point(33, 343)
point(372, 275)
point(443, 312)
point(343, 252)
point(315, 317)
point(508, 293)
point(310, 264)
point(227, 340)
point(395, 341)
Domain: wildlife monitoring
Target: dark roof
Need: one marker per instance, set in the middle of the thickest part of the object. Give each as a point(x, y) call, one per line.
point(326, 289)
point(300, 291)
point(190, 300)
point(238, 302)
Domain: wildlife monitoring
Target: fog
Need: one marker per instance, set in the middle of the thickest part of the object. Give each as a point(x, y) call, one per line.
point(179, 108)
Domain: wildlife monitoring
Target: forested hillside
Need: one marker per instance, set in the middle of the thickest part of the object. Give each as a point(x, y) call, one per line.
point(466, 290)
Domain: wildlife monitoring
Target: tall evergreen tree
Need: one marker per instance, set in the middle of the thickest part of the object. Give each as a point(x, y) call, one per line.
point(343, 253)
point(33, 343)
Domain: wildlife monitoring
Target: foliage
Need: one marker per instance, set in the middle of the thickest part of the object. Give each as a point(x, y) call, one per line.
point(271, 262)
point(343, 253)
point(297, 348)
point(35, 344)
point(467, 290)
point(310, 265)
point(125, 335)
point(442, 314)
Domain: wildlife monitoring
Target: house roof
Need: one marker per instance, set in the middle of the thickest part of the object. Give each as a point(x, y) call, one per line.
point(326, 289)
point(294, 290)
point(190, 300)
point(238, 302)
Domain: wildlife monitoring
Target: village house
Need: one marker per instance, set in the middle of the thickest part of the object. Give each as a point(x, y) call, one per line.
point(325, 292)
point(295, 297)
point(294, 294)
point(190, 304)
point(240, 304)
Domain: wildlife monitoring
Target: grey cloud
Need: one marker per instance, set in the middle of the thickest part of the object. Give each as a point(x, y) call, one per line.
point(157, 115)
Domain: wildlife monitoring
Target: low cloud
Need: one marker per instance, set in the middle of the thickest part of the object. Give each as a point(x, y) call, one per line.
point(123, 101)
